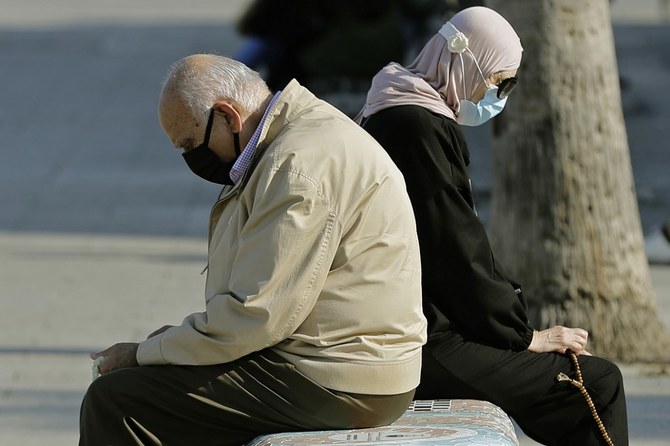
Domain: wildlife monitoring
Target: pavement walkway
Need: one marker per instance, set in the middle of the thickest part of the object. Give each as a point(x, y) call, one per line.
point(102, 229)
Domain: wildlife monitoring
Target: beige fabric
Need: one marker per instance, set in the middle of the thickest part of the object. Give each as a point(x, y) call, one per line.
point(314, 254)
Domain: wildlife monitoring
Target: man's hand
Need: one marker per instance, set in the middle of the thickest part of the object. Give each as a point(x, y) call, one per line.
point(560, 339)
point(118, 356)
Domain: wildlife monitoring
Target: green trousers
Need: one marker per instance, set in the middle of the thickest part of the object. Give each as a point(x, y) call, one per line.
point(227, 404)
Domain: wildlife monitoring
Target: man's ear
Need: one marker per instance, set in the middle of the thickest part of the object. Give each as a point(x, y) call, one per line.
point(231, 115)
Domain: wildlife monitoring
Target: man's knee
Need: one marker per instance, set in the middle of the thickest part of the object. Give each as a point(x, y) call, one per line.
point(105, 389)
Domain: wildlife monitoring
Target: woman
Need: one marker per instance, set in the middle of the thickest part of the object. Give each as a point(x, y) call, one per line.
point(481, 343)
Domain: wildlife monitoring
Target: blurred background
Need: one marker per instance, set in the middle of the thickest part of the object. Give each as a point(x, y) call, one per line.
point(102, 226)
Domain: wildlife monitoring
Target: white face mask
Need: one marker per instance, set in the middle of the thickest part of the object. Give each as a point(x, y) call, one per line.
point(472, 114)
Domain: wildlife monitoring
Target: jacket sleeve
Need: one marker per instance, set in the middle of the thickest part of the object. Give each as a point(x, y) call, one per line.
point(460, 277)
point(281, 261)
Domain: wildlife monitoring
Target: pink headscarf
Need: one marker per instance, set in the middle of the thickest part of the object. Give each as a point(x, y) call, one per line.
point(435, 79)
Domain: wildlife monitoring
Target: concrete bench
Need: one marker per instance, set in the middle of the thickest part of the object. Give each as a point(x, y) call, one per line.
point(425, 423)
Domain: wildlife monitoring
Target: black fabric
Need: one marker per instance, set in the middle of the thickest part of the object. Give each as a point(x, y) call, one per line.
point(524, 385)
point(205, 163)
point(326, 39)
point(221, 405)
point(460, 277)
point(208, 166)
point(479, 330)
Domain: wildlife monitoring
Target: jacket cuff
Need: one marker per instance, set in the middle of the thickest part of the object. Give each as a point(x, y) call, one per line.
point(526, 338)
point(149, 352)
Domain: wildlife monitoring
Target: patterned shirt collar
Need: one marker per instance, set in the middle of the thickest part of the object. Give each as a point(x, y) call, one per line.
point(243, 162)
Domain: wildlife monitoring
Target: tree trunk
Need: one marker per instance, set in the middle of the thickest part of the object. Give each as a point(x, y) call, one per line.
point(564, 213)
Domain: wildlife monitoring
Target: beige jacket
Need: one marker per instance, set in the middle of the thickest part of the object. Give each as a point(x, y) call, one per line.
point(313, 254)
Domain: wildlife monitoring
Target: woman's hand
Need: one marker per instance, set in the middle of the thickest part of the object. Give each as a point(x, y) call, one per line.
point(560, 339)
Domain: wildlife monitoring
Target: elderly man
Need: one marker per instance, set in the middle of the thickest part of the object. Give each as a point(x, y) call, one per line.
point(313, 315)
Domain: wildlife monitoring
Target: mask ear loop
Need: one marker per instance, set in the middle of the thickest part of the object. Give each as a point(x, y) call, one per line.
point(478, 68)
point(458, 43)
point(465, 94)
point(208, 129)
point(236, 143)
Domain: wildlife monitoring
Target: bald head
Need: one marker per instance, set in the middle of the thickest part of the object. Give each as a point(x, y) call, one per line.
point(196, 82)
point(187, 77)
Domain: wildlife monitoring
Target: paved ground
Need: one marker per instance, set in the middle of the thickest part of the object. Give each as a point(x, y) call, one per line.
point(102, 227)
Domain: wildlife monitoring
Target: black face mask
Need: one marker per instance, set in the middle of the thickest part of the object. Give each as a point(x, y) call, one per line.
point(206, 164)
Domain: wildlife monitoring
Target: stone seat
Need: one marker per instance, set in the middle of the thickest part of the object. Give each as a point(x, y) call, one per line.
point(425, 423)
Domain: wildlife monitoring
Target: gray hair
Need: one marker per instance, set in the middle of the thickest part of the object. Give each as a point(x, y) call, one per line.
point(200, 84)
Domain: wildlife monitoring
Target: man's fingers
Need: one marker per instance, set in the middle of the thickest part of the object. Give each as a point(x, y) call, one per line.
point(97, 355)
point(96, 366)
point(103, 360)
